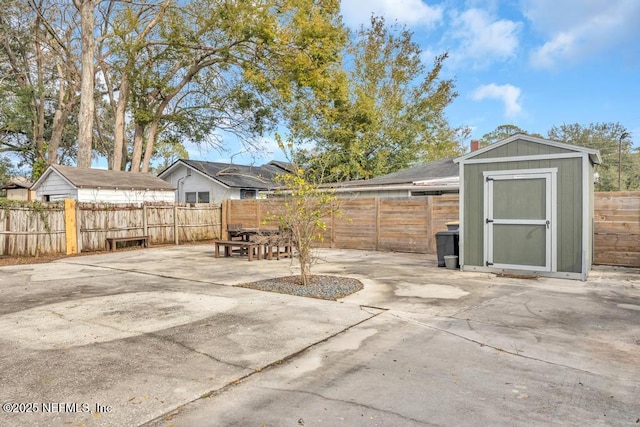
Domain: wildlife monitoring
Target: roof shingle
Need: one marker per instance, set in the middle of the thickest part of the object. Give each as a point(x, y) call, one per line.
point(102, 178)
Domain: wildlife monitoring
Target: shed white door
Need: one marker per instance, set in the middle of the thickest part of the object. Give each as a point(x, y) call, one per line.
point(520, 221)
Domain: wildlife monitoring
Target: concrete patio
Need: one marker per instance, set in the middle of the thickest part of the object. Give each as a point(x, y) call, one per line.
point(160, 336)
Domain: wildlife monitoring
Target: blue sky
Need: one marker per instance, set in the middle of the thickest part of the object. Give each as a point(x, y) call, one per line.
point(531, 63)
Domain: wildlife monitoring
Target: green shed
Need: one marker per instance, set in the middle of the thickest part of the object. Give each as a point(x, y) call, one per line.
point(526, 207)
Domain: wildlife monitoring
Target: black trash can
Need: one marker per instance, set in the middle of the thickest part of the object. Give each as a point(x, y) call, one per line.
point(447, 244)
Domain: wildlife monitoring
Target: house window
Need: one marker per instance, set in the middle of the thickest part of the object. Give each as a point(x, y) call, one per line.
point(247, 194)
point(197, 197)
point(203, 197)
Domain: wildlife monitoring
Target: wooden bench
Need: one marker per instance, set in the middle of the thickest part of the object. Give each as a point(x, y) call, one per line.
point(248, 247)
point(112, 241)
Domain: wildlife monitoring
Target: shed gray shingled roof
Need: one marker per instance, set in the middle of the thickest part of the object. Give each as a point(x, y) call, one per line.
point(102, 178)
point(241, 176)
point(18, 182)
point(439, 169)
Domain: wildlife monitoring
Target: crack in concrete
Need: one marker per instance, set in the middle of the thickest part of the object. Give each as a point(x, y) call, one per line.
point(526, 305)
point(149, 334)
point(146, 273)
point(362, 405)
point(90, 323)
point(271, 365)
point(482, 344)
point(186, 347)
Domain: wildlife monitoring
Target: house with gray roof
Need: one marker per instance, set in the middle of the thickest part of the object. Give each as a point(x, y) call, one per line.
point(101, 186)
point(435, 178)
point(211, 182)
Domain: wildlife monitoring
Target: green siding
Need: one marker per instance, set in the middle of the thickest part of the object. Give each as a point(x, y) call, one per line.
point(569, 206)
point(473, 214)
point(569, 214)
point(521, 148)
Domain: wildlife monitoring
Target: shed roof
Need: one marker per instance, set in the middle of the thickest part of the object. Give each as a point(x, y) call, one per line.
point(594, 155)
point(102, 178)
point(237, 176)
point(17, 182)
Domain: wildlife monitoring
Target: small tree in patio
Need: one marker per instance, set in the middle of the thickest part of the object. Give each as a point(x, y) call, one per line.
point(305, 208)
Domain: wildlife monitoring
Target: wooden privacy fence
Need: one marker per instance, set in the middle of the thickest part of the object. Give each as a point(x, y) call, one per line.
point(410, 224)
point(617, 229)
point(383, 224)
point(163, 223)
point(32, 230)
point(35, 229)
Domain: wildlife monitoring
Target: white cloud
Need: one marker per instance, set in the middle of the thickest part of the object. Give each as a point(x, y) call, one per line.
point(578, 29)
point(482, 39)
point(409, 12)
point(508, 94)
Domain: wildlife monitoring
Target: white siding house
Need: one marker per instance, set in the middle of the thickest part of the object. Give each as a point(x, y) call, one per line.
point(193, 186)
point(99, 185)
point(211, 182)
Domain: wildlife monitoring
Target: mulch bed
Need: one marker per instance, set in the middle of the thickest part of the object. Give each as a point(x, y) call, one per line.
point(322, 287)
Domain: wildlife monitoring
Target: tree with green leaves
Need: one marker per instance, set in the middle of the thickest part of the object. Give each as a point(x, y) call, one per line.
point(6, 170)
point(388, 115)
point(39, 82)
point(212, 65)
point(614, 142)
point(503, 132)
point(159, 69)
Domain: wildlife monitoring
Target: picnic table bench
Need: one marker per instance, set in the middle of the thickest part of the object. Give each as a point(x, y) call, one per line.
point(244, 246)
point(112, 241)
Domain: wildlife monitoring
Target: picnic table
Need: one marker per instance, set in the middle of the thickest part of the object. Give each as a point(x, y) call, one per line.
point(269, 241)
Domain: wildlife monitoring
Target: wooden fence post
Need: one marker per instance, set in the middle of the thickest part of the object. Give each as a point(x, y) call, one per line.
point(431, 244)
point(175, 224)
point(224, 213)
point(333, 226)
point(145, 221)
point(7, 228)
point(258, 212)
point(70, 225)
point(377, 205)
point(78, 229)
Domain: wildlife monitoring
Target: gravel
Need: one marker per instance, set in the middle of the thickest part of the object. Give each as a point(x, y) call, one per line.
point(321, 287)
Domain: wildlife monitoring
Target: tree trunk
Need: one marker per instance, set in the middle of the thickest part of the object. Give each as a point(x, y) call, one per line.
point(87, 105)
point(138, 138)
point(153, 133)
point(151, 140)
point(119, 142)
point(119, 136)
point(39, 100)
point(59, 119)
point(63, 111)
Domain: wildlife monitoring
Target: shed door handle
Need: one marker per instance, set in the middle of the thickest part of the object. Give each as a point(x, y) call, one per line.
point(548, 224)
